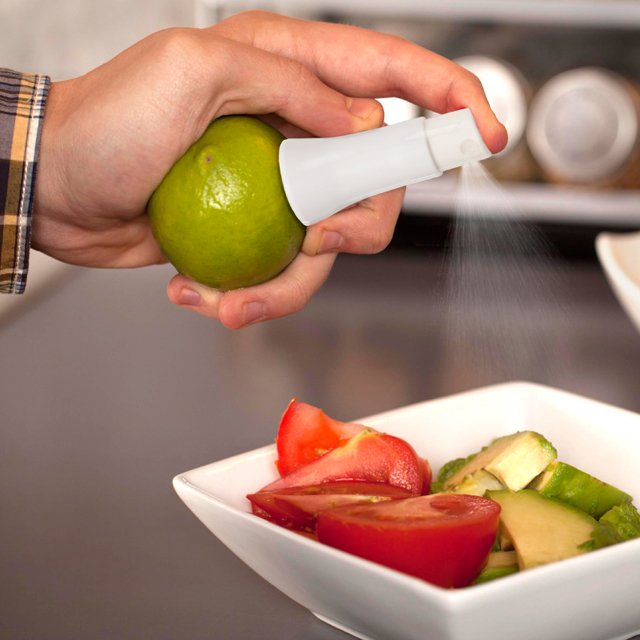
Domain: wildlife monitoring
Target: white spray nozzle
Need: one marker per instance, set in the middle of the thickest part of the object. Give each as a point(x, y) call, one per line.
point(454, 139)
point(324, 175)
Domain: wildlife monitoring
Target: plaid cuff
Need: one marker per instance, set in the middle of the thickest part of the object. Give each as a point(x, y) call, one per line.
point(22, 101)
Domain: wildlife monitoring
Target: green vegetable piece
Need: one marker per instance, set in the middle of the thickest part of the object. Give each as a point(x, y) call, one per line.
point(543, 530)
point(488, 575)
point(503, 539)
point(448, 469)
point(569, 484)
point(500, 559)
point(477, 484)
point(515, 460)
point(499, 564)
point(619, 524)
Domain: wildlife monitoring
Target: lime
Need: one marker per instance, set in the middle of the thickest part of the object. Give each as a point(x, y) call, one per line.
point(220, 215)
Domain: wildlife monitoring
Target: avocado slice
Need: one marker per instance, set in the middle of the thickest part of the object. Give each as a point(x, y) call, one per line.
point(619, 524)
point(499, 564)
point(515, 460)
point(447, 470)
point(569, 484)
point(478, 483)
point(504, 540)
point(543, 530)
point(501, 559)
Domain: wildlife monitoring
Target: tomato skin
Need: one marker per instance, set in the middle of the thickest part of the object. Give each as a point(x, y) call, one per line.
point(427, 476)
point(444, 539)
point(369, 456)
point(297, 507)
point(306, 433)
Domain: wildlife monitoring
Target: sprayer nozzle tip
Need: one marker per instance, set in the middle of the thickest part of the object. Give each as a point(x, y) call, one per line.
point(471, 150)
point(454, 139)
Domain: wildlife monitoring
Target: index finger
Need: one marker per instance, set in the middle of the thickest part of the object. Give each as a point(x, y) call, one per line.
point(364, 63)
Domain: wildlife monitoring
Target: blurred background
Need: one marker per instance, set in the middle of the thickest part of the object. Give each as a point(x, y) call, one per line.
point(107, 391)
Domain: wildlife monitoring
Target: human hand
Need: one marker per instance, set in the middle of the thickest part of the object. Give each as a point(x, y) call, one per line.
point(110, 136)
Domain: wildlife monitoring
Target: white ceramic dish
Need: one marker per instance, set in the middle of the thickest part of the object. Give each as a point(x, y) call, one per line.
point(592, 597)
point(619, 255)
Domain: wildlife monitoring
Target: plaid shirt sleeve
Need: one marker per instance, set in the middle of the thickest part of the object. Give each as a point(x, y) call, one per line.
point(22, 101)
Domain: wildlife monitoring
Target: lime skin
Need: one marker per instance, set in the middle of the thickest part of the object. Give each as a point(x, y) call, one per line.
point(220, 215)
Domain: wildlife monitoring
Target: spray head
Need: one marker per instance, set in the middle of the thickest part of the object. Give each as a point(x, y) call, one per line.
point(324, 175)
point(454, 139)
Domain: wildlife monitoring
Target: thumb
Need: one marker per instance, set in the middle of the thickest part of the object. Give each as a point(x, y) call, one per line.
point(259, 82)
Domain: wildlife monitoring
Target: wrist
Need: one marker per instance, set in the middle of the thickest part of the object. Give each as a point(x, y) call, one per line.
point(49, 188)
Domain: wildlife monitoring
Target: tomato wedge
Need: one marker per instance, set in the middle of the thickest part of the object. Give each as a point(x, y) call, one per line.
point(306, 433)
point(427, 476)
point(298, 507)
point(369, 456)
point(444, 539)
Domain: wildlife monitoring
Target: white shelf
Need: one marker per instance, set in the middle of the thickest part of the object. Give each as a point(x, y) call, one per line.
point(620, 14)
point(538, 202)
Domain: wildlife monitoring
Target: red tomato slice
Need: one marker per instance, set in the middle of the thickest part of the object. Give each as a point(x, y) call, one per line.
point(306, 433)
point(298, 507)
point(369, 456)
point(427, 476)
point(444, 538)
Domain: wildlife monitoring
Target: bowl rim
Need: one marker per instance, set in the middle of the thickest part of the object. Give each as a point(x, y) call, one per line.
point(605, 243)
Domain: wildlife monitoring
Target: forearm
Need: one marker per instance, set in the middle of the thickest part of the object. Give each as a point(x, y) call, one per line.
point(22, 101)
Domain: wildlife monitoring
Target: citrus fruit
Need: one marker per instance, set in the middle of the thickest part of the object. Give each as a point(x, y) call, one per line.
point(220, 215)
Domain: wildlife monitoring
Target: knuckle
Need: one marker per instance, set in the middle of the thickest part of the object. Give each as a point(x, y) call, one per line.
point(253, 15)
point(178, 45)
point(183, 51)
point(463, 84)
point(380, 240)
point(475, 83)
point(377, 232)
point(474, 80)
point(248, 26)
point(470, 80)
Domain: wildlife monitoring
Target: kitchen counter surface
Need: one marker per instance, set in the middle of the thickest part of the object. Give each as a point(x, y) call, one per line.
point(107, 392)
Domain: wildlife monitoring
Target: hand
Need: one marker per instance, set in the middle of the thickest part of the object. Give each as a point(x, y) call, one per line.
point(110, 136)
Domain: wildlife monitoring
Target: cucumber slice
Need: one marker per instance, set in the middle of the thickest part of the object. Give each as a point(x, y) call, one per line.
point(575, 487)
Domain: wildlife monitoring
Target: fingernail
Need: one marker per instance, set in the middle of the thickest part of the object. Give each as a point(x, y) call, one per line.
point(254, 311)
point(189, 297)
point(330, 242)
point(362, 107)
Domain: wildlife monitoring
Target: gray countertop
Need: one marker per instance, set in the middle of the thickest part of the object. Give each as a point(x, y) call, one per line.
point(107, 392)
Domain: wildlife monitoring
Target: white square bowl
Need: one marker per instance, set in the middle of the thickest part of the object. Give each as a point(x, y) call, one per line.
point(595, 596)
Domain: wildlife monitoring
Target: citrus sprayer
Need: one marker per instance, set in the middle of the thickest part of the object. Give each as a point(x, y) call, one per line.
point(322, 176)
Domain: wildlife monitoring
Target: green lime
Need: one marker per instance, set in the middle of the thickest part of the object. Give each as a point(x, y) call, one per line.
point(220, 215)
